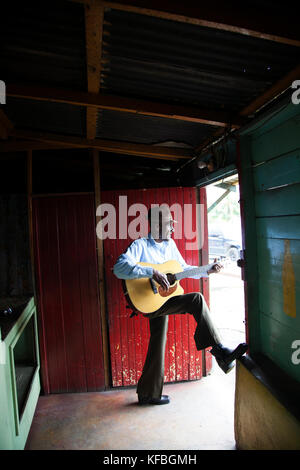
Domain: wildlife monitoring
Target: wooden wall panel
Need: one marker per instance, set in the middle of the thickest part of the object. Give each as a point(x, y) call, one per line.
point(68, 300)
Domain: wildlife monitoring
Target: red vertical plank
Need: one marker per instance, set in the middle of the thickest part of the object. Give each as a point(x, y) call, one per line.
point(146, 198)
point(189, 287)
point(89, 295)
point(185, 352)
point(114, 322)
point(141, 331)
point(129, 322)
point(162, 196)
point(178, 319)
point(90, 305)
point(115, 319)
point(50, 284)
point(70, 289)
point(184, 319)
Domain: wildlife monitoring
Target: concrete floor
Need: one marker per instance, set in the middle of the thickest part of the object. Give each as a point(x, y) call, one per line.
point(200, 415)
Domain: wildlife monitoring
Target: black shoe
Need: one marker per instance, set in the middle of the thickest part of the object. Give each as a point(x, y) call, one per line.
point(225, 356)
point(163, 400)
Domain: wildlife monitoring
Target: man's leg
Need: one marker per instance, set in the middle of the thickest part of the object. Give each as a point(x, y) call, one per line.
point(151, 382)
point(194, 303)
point(206, 334)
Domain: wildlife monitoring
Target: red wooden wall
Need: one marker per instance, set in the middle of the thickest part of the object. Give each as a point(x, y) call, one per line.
point(128, 337)
point(67, 290)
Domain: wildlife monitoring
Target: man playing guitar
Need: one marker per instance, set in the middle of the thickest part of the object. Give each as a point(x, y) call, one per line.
point(156, 249)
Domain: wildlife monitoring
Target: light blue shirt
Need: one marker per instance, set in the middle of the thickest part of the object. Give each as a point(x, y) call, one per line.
point(147, 250)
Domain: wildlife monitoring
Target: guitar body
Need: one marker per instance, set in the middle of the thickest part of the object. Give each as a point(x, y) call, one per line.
point(145, 295)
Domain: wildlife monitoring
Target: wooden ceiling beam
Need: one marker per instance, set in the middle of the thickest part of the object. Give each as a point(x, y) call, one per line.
point(20, 145)
point(94, 11)
point(123, 148)
point(129, 105)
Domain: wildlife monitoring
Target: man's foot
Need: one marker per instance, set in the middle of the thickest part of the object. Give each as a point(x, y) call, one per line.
point(163, 400)
point(225, 356)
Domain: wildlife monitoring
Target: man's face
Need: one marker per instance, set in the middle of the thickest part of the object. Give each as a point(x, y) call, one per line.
point(162, 229)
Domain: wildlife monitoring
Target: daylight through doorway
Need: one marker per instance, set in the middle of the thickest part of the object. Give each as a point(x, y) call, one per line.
point(226, 289)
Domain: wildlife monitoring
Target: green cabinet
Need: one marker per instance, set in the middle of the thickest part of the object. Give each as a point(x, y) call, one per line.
point(19, 377)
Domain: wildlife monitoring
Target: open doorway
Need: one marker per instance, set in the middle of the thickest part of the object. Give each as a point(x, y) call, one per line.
point(226, 290)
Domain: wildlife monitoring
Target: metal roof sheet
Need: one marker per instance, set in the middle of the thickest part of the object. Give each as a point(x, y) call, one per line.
point(57, 118)
point(139, 128)
point(169, 61)
point(44, 44)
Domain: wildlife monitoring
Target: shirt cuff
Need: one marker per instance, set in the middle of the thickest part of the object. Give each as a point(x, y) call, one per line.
point(147, 271)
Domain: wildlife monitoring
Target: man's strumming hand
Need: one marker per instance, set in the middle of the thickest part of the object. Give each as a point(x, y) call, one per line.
point(161, 279)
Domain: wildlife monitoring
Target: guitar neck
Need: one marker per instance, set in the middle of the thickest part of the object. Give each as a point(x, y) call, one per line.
point(193, 271)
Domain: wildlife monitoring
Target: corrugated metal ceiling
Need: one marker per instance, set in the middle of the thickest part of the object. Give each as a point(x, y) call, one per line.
point(169, 61)
point(143, 129)
point(44, 43)
point(142, 57)
point(57, 118)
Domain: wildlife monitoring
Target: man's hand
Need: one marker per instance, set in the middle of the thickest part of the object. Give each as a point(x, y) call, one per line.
point(161, 279)
point(216, 267)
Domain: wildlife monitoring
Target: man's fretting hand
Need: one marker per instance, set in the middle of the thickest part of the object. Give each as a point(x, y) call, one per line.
point(216, 268)
point(161, 279)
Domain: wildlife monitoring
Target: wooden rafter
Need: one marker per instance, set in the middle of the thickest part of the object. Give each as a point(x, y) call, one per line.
point(122, 148)
point(94, 11)
point(123, 104)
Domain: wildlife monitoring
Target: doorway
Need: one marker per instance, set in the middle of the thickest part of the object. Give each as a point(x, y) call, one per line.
point(226, 289)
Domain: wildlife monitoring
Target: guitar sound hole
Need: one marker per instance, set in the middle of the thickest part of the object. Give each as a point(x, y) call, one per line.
point(171, 279)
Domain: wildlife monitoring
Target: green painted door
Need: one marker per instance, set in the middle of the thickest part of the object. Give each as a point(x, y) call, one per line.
point(269, 171)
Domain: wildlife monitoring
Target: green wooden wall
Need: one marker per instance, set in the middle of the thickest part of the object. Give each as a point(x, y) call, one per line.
point(270, 180)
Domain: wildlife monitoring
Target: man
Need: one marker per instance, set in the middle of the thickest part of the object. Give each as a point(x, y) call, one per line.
point(158, 248)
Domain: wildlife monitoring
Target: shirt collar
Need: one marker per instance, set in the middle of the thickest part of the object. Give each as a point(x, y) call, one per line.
point(154, 243)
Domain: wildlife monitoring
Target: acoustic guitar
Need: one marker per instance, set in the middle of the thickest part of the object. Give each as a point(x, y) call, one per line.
point(144, 295)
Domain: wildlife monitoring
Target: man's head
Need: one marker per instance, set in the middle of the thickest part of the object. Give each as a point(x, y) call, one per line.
point(161, 222)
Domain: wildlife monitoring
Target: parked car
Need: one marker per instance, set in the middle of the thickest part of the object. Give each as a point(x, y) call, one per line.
point(222, 245)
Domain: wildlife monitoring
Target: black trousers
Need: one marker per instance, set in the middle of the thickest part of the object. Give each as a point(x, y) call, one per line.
point(152, 379)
